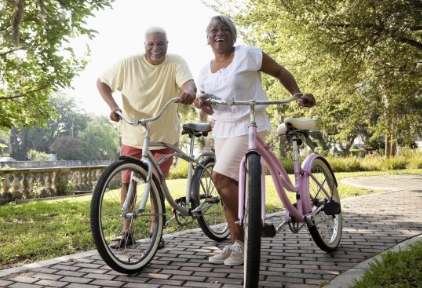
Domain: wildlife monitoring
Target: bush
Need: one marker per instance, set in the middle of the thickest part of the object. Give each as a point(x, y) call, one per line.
point(65, 187)
point(345, 164)
point(179, 170)
point(34, 155)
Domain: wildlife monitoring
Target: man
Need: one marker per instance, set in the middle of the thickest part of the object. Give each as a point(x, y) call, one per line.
point(147, 81)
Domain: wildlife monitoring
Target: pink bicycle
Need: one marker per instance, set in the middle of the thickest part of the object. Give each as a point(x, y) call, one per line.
point(317, 201)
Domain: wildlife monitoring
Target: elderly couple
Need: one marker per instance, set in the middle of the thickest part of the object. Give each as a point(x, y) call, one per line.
point(148, 80)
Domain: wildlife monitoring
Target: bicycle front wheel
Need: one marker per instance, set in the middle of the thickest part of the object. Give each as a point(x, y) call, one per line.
point(252, 222)
point(212, 219)
point(327, 229)
point(109, 219)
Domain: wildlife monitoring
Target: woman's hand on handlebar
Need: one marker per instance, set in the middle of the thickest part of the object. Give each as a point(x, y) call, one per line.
point(308, 100)
point(113, 115)
point(202, 103)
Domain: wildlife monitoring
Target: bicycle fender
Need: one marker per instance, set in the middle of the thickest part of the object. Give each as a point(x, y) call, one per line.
point(307, 164)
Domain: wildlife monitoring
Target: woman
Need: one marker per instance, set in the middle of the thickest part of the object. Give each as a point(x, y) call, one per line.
point(236, 72)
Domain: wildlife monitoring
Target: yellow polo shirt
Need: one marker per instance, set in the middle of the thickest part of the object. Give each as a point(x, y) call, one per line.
point(145, 88)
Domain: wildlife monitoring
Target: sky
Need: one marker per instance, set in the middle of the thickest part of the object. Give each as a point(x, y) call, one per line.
point(121, 34)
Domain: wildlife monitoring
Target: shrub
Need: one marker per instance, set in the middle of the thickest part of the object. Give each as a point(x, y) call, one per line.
point(347, 164)
point(179, 170)
point(394, 163)
point(34, 155)
point(65, 187)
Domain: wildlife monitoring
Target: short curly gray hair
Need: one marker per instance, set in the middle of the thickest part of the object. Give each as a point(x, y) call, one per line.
point(155, 29)
point(226, 21)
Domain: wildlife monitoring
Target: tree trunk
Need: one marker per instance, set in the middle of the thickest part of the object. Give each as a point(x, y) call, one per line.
point(203, 117)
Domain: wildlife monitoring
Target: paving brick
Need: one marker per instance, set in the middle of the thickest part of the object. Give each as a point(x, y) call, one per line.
point(24, 285)
point(4, 283)
point(52, 283)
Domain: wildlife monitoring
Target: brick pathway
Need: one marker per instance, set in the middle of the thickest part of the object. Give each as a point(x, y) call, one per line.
point(372, 224)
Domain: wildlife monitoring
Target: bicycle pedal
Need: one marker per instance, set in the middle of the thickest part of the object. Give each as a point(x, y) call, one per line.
point(332, 208)
point(268, 230)
point(212, 200)
point(180, 200)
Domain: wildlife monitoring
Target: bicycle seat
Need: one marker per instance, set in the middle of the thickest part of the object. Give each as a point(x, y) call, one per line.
point(298, 123)
point(197, 129)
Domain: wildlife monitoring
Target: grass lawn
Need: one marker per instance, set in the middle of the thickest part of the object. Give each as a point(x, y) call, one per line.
point(41, 230)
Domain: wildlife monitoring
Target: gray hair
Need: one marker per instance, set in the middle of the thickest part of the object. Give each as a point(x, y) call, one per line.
point(156, 29)
point(226, 21)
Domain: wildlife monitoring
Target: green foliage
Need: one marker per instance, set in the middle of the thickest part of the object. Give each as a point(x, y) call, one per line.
point(68, 148)
point(376, 163)
point(397, 269)
point(34, 155)
point(179, 171)
point(69, 120)
point(65, 187)
point(6, 167)
point(36, 55)
point(101, 140)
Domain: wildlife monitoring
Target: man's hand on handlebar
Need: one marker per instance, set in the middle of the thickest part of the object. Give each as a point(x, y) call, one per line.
point(113, 116)
point(308, 100)
point(186, 97)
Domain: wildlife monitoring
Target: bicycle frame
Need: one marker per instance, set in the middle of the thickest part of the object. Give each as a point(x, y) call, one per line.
point(281, 180)
point(153, 167)
point(303, 210)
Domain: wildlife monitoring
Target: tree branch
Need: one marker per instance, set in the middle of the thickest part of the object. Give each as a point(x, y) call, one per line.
point(25, 94)
point(411, 42)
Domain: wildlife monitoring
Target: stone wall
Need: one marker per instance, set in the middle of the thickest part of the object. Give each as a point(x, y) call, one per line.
point(44, 182)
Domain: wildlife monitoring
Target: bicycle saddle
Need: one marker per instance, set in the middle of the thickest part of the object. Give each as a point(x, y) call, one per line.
point(298, 123)
point(197, 129)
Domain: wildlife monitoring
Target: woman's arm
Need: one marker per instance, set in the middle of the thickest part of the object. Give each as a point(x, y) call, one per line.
point(272, 68)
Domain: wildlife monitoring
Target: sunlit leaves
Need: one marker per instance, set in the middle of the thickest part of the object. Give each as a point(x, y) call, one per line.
point(37, 59)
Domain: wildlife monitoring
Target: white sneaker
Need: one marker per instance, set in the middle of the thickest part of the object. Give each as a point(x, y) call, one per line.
point(220, 257)
point(236, 257)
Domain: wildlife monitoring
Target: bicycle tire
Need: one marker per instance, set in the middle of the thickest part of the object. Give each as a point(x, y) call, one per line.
point(252, 222)
point(213, 221)
point(327, 229)
point(106, 218)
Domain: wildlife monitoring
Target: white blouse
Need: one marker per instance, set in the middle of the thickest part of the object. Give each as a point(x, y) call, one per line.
point(241, 80)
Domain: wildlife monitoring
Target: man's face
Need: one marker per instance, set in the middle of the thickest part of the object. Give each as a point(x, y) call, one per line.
point(155, 48)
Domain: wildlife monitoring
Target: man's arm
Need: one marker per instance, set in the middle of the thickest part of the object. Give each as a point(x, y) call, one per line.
point(107, 95)
point(188, 93)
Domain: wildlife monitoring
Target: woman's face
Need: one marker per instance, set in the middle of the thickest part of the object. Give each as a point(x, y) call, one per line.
point(219, 37)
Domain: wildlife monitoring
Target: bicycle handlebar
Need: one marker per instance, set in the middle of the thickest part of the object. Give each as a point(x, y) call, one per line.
point(230, 101)
point(143, 121)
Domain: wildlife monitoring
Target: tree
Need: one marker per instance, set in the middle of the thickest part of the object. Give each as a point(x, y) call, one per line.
point(36, 57)
point(68, 148)
point(350, 54)
point(101, 140)
point(70, 119)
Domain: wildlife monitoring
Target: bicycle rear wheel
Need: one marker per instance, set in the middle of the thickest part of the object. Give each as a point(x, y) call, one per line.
point(327, 229)
point(204, 194)
point(107, 218)
point(252, 222)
